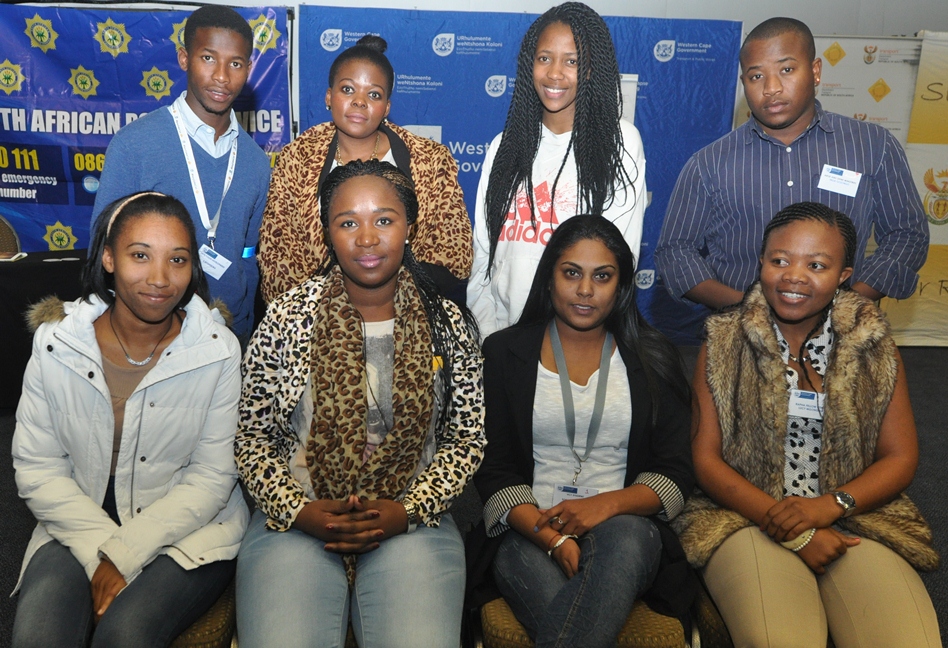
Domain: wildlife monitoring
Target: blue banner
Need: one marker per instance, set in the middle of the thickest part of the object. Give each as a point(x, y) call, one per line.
point(454, 76)
point(71, 78)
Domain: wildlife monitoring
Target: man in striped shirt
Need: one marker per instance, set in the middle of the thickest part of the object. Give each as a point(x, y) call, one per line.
point(791, 150)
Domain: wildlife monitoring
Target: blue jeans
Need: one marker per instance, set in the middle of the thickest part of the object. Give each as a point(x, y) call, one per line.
point(292, 592)
point(618, 561)
point(55, 602)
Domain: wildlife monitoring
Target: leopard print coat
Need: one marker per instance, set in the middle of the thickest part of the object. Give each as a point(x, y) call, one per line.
point(292, 245)
point(276, 371)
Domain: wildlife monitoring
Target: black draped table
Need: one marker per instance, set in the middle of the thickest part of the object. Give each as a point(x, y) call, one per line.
point(22, 283)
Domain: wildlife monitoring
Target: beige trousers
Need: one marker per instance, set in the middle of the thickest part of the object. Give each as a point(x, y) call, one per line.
point(768, 597)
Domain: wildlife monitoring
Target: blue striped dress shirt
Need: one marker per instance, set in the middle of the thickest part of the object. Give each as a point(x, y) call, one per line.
point(729, 190)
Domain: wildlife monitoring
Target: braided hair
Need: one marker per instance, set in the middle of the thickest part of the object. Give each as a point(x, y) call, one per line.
point(813, 211)
point(439, 319)
point(596, 139)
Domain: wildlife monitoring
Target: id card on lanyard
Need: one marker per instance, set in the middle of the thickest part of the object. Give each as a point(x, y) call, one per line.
point(210, 224)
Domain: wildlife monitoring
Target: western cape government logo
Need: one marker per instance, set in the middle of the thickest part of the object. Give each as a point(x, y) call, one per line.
point(331, 39)
point(177, 33)
point(936, 198)
point(443, 44)
point(644, 279)
point(265, 34)
point(83, 82)
point(60, 237)
point(112, 38)
point(156, 83)
point(11, 78)
point(664, 51)
point(41, 33)
point(496, 85)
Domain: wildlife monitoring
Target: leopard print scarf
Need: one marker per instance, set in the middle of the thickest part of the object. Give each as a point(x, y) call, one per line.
point(338, 434)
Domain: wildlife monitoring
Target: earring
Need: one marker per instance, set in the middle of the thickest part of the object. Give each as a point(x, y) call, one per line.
point(327, 106)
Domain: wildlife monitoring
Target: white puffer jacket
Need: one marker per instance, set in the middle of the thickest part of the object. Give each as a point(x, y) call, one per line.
point(175, 482)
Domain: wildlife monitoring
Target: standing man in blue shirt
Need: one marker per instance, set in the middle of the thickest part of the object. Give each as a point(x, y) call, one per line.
point(196, 151)
point(791, 150)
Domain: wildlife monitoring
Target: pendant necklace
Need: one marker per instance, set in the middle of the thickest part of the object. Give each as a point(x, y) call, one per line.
point(375, 151)
point(137, 363)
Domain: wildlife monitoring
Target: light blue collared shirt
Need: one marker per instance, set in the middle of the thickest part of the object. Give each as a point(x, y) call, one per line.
point(202, 133)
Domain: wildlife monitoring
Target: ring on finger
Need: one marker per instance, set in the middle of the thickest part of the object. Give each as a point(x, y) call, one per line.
point(558, 520)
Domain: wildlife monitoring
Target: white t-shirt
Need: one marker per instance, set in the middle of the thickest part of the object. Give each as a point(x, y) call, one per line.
point(554, 463)
point(498, 303)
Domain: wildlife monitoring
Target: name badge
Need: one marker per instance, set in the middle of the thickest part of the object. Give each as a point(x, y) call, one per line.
point(214, 263)
point(562, 492)
point(841, 181)
point(806, 404)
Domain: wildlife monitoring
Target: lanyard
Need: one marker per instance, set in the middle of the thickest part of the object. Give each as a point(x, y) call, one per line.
point(210, 224)
point(605, 359)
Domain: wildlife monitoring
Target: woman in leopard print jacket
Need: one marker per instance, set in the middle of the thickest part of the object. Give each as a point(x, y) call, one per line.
point(361, 420)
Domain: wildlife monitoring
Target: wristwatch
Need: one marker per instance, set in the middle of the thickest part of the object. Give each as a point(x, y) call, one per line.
point(845, 500)
point(412, 511)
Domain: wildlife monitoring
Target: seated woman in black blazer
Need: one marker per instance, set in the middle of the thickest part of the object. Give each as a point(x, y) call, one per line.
point(587, 420)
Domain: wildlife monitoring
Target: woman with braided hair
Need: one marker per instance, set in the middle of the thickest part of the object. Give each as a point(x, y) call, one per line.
point(360, 422)
point(803, 447)
point(564, 151)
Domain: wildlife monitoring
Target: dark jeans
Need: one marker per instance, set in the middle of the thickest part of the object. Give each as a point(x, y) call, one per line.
point(55, 602)
point(619, 559)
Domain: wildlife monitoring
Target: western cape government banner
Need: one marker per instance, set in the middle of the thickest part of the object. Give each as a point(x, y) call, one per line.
point(70, 78)
point(454, 77)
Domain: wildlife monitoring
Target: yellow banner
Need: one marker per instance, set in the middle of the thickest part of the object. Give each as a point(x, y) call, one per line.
point(922, 319)
point(930, 107)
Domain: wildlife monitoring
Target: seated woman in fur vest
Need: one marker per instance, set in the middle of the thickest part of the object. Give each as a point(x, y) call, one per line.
point(803, 444)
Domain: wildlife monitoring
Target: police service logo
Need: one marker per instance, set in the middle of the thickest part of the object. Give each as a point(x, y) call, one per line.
point(177, 34)
point(496, 85)
point(112, 38)
point(644, 279)
point(11, 78)
point(664, 50)
point(60, 237)
point(443, 44)
point(265, 33)
point(41, 33)
point(936, 199)
point(870, 54)
point(331, 39)
point(156, 82)
point(83, 82)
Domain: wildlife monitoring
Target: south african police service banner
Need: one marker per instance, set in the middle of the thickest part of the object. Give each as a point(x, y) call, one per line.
point(70, 78)
point(455, 74)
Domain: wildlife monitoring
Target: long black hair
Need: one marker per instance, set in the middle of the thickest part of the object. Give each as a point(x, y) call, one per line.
point(110, 225)
point(813, 211)
point(439, 319)
point(596, 139)
point(659, 357)
point(369, 48)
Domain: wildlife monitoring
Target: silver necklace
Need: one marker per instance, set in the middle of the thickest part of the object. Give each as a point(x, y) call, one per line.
point(137, 363)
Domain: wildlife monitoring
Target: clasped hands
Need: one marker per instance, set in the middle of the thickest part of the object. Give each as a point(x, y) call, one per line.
point(792, 516)
point(571, 517)
point(353, 525)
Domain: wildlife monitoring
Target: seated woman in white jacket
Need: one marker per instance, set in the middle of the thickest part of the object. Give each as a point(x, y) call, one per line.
point(123, 448)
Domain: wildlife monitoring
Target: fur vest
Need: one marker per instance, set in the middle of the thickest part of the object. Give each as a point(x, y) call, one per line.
point(745, 374)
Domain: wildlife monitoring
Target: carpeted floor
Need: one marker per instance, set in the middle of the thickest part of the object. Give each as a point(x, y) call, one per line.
point(925, 368)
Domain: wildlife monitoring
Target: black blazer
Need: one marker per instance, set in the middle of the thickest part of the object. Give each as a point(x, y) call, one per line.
point(511, 357)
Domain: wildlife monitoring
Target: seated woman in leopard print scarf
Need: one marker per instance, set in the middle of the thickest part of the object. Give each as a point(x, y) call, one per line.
point(361, 420)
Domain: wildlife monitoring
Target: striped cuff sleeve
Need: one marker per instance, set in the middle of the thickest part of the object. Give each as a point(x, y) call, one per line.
point(501, 502)
point(667, 491)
